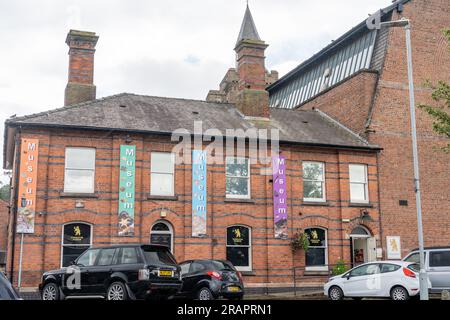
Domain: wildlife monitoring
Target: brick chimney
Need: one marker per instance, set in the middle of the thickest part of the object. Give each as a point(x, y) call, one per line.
point(80, 86)
point(252, 98)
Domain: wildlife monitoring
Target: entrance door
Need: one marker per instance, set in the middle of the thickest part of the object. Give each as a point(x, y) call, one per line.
point(363, 246)
point(162, 234)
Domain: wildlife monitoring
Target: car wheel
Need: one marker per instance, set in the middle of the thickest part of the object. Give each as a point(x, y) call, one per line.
point(399, 293)
point(204, 294)
point(50, 292)
point(117, 291)
point(335, 293)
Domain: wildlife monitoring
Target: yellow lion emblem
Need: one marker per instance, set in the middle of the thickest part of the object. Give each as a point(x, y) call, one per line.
point(77, 231)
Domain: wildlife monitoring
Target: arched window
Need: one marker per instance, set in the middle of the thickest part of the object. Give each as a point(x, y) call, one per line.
point(239, 247)
point(162, 234)
point(317, 254)
point(76, 238)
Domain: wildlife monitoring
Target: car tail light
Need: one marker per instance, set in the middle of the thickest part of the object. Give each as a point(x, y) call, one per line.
point(214, 274)
point(409, 273)
point(144, 274)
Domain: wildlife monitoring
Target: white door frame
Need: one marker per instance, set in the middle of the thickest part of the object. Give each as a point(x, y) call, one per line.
point(361, 236)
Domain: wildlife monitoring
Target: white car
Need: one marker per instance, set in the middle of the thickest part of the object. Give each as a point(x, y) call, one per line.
point(396, 279)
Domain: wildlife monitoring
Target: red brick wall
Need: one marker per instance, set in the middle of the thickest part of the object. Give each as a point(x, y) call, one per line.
point(390, 121)
point(4, 215)
point(348, 101)
point(354, 102)
point(272, 258)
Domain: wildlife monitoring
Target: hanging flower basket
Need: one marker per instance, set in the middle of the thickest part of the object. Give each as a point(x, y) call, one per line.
point(300, 241)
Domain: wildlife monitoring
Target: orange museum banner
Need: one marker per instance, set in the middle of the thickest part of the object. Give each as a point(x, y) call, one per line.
point(29, 153)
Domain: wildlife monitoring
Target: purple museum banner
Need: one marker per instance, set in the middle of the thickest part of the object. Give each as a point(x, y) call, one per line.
point(279, 197)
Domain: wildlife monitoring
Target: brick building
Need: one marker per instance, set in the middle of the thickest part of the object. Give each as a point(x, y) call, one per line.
point(361, 80)
point(103, 171)
point(4, 215)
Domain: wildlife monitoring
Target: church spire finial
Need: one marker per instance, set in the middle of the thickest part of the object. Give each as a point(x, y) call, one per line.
point(248, 28)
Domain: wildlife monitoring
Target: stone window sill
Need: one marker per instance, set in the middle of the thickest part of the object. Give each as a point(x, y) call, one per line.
point(248, 273)
point(237, 200)
point(360, 205)
point(164, 198)
point(318, 203)
point(77, 195)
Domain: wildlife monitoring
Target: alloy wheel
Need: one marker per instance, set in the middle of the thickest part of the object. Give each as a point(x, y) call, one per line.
point(335, 293)
point(399, 293)
point(116, 292)
point(49, 292)
point(204, 294)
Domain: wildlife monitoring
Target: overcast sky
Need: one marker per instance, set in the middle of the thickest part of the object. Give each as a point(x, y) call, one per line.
point(174, 48)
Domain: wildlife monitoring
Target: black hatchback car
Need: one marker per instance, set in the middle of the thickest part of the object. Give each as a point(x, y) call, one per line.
point(210, 279)
point(118, 272)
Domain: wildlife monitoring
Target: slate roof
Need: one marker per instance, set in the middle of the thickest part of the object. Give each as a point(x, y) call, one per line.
point(248, 28)
point(158, 115)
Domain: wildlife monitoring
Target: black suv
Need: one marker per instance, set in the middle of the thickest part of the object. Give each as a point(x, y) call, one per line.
point(210, 279)
point(117, 272)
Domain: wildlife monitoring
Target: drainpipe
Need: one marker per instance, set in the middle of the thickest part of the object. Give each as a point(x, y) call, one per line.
point(380, 223)
point(14, 202)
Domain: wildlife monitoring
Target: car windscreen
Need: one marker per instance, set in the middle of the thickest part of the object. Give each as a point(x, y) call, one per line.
point(221, 265)
point(414, 267)
point(158, 256)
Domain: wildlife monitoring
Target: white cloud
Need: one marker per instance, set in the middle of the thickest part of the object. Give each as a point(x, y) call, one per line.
point(172, 48)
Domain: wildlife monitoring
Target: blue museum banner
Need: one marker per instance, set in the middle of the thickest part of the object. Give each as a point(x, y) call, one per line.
point(127, 190)
point(198, 193)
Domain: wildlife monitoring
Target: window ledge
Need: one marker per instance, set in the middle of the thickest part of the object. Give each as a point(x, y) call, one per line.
point(77, 195)
point(316, 273)
point(361, 205)
point(313, 203)
point(248, 273)
point(166, 198)
point(238, 200)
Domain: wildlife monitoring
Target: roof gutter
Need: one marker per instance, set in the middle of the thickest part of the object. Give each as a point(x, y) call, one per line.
point(165, 133)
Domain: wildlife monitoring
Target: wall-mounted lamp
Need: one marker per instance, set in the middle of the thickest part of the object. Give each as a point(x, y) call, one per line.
point(364, 216)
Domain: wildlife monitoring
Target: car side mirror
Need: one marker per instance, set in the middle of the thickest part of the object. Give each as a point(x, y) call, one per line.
point(72, 263)
point(348, 276)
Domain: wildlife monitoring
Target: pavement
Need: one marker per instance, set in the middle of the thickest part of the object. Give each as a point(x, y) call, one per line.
point(309, 295)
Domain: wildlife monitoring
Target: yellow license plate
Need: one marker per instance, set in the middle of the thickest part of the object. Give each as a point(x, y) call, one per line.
point(233, 289)
point(165, 273)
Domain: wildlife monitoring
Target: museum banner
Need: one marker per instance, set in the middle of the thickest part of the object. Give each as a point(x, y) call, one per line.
point(127, 190)
point(29, 154)
point(279, 197)
point(198, 193)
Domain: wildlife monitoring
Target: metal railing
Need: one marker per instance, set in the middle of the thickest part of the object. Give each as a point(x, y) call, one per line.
point(325, 272)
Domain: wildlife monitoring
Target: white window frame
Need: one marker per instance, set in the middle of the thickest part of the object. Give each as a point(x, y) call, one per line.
point(249, 246)
point(75, 245)
point(319, 268)
point(93, 170)
point(366, 183)
point(163, 232)
point(152, 192)
point(324, 197)
point(238, 196)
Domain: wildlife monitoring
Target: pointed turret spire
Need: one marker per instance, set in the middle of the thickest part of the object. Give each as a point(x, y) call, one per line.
point(248, 28)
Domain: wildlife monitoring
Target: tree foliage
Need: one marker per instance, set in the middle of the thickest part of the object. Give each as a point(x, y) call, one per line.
point(440, 112)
